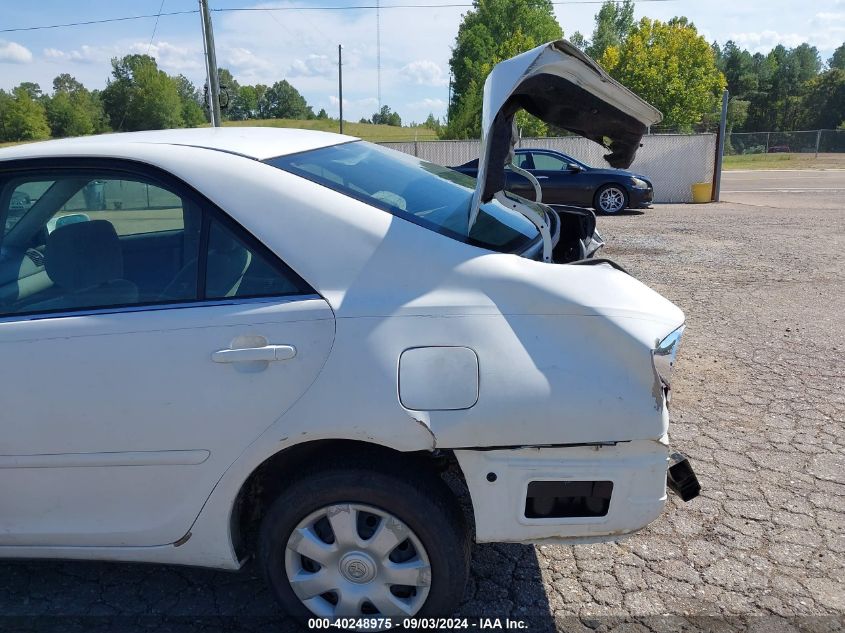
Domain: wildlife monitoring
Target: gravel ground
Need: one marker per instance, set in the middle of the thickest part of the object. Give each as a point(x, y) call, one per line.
point(758, 404)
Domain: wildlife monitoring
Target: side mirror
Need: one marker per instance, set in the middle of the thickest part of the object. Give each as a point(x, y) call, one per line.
point(575, 168)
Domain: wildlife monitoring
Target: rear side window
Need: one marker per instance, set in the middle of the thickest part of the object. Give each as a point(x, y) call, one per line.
point(432, 196)
point(234, 269)
point(88, 239)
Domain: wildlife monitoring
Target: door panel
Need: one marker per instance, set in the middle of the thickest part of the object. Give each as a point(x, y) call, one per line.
point(116, 426)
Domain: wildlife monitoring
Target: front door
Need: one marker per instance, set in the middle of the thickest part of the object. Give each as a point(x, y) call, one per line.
point(145, 341)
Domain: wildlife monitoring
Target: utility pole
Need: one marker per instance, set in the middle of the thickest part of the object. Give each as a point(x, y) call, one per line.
point(340, 83)
point(449, 102)
point(210, 64)
point(720, 149)
point(378, 51)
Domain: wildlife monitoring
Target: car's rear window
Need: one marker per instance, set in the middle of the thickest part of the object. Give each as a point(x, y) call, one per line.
point(429, 195)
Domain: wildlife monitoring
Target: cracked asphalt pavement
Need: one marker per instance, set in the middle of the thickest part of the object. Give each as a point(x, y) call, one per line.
point(758, 405)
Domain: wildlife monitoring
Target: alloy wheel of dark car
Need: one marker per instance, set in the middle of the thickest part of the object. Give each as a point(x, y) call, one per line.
point(610, 199)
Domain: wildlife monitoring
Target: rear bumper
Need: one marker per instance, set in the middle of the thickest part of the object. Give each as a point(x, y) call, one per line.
point(637, 471)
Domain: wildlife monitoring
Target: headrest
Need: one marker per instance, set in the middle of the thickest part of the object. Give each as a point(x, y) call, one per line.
point(84, 254)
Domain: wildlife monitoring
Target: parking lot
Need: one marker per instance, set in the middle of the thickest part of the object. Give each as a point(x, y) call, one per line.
point(758, 404)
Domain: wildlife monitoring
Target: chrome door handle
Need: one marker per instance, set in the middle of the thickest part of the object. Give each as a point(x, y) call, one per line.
point(541, 177)
point(267, 353)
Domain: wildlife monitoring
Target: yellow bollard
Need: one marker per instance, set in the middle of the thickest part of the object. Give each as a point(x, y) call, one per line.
point(702, 192)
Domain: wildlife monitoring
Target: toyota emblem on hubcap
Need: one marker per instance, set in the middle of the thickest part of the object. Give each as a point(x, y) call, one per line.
point(358, 567)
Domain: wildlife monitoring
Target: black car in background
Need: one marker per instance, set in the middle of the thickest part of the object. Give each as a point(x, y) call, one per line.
point(565, 180)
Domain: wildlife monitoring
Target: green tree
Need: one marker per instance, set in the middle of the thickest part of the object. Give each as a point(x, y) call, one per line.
point(614, 22)
point(824, 102)
point(32, 89)
point(67, 83)
point(22, 118)
point(244, 104)
point(579, 41)
point(283, 101)
point(671, 66)
point(140, 96)
point(738, 67)
point(193, 114)
point(322, 114)
point(386, 117)
point(98, 113)
point(837, 60)
point(73, 110)
point(68, 115)
point(494, 30)
point(433, 123)
point(229, 89)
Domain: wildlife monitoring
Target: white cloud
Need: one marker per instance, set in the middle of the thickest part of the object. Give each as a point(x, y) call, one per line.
point(313, 66)
point(431, 105)
point(84, 54)
point(246, 66)
point(366, 102)
point(14, 53)
point(764, 41)
point(424, 72)
point(829, 16)
point(172, 57)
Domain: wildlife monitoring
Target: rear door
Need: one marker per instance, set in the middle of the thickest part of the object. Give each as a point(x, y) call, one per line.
point(144, 343)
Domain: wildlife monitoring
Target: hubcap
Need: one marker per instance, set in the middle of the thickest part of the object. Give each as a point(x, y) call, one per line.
point(350, 560)
point(611, 200)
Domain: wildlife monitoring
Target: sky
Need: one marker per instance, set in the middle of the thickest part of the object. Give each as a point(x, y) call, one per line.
point(265, 45)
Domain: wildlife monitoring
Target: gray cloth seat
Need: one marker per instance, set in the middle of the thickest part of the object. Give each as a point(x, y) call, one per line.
point(85, 262)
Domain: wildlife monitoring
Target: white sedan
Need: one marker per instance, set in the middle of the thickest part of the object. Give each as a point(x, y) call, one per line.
point(224, 343)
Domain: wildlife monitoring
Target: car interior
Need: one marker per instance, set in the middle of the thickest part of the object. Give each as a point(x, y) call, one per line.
point(82, 240)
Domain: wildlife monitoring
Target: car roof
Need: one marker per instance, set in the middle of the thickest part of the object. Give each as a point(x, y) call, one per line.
point(259, 143)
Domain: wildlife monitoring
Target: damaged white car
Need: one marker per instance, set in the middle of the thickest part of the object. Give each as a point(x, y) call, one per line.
point(224, 343)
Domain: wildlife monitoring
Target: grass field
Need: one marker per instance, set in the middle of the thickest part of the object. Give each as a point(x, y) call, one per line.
point(784, 161)
point(366, 131)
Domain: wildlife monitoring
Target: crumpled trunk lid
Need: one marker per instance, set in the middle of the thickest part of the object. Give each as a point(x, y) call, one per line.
point(560, 85)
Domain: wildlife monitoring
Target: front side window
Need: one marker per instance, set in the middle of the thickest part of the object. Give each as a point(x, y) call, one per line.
point(429, 195)
point(547, 162)
point(78, 239)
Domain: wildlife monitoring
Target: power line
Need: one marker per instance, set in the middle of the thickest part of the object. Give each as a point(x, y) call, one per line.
point(357, 7)
point(103, 21)
point(155, 26)
point(149, 47)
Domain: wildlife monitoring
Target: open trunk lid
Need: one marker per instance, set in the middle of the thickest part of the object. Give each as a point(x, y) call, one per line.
point(560, 85)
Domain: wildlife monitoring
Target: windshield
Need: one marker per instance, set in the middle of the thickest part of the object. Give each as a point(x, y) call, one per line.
point(429, 195)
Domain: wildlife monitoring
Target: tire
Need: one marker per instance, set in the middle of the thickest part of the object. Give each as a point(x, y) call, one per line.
point(610, 199)
point(326, 504)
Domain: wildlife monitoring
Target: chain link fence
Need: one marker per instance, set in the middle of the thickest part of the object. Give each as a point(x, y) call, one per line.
point(673, 162)
point(799, 141)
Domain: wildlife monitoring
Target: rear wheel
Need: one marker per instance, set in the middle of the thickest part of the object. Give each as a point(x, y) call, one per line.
point(352, 542)
point(610, 199)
